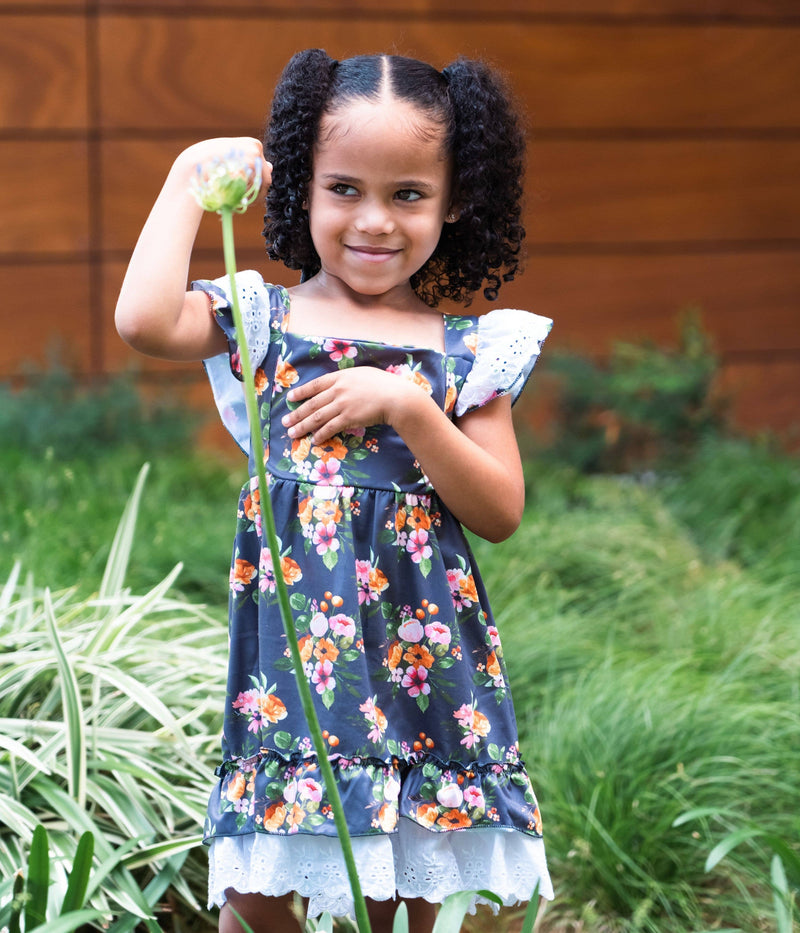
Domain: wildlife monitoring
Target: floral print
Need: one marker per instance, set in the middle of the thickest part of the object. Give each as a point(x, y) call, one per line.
point(394, 630)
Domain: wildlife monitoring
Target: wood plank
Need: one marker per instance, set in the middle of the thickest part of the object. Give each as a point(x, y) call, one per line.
point(42, 72)
point(591, 76)
point(764, 396)
point(749, 302)
point(689, 9)
point(50, 316)
point(44, 197)
point(579, 192)
point(651, 191)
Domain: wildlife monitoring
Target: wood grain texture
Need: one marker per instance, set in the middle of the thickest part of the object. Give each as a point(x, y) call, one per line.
point(588, 76)
point(749, 302)
point(44, 199)
point(650, 191)
point(764, 395)
point(42, 72)
point(558, 9)
point(51, 316)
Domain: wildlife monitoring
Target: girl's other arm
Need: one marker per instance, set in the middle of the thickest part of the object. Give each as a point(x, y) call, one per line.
point(155, 314)
point(474, 466)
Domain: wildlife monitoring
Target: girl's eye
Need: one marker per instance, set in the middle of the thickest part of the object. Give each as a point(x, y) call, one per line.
point(408, 194)
point(343, 189)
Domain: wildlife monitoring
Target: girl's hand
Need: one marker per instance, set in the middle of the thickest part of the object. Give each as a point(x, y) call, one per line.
point(350, 398)
point(210, 151)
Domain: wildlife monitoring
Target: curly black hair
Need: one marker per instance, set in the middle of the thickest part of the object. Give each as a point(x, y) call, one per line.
point(483, 136)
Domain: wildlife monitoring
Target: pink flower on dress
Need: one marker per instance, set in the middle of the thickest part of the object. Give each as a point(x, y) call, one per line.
point(437, 633)
point(309, 789)
point(338, 349)
point(415, 679)
point(322, 676)
point(473, 797)
point(326, 472)
point(324, 537)
point(418, 546)
point(411, 631)
point(343, 625)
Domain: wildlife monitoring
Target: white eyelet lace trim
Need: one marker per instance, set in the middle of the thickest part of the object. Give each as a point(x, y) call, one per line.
point(414, 862)
point(509, 342)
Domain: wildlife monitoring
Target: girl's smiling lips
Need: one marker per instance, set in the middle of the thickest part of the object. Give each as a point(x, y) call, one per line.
point(372, 253)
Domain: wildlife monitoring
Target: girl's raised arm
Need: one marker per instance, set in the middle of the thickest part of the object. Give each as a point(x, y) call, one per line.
point(155, 314)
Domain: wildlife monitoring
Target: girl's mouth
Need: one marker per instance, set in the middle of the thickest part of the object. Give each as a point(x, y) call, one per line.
point(372, 253)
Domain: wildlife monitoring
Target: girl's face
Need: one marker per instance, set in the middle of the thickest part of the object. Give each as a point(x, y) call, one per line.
point(379, 194)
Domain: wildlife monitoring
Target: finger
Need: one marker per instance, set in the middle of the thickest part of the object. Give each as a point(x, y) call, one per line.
point(309, 389)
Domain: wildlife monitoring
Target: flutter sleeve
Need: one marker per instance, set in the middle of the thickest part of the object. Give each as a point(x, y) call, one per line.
point(257, 302)
point(507, 346)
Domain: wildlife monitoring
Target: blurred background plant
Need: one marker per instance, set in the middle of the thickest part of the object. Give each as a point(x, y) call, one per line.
point(649, 616)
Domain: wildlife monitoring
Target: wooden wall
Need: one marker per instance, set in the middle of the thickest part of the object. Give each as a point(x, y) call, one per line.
point(664, 165)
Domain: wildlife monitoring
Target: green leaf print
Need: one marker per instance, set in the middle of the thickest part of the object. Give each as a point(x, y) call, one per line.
point(327, 698)
point(422, 702)
point(297, 601)
point(330, 558)
point(282, 740)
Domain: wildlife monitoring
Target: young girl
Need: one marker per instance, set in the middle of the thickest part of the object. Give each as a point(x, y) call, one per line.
point(386, 426)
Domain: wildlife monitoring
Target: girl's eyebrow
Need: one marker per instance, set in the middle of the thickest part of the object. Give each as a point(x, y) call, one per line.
point(415, 183)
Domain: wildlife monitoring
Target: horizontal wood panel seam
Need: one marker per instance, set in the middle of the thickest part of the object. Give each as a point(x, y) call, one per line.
point(656, 20)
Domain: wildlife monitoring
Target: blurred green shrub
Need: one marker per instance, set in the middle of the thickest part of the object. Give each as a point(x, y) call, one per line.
point(644, 405)
point(54, 410)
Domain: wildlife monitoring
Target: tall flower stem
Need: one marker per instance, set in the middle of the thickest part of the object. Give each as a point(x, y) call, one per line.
point(268, 529)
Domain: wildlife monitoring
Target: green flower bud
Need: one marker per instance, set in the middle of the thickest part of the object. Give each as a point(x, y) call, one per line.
point(226, 184)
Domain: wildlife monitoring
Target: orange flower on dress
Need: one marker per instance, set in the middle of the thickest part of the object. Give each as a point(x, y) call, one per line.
point(387, 817)
point(418, 379)
point(480, 724)
point(419, 656)
point(537, 820)
point(395, 654)
point(242, 571)
point(326, 650)
point(377, 580)
point(454, 819)
point(306, 646)
point(326, 511)
point(300, 449)
point(296, 815)
point(493, 665)
point(471, 342)
point(467, 589)
point(333, 447)
point(260, 380)
point(285, 374)
point(419, 518)
point(400, 520)
point(250, 503)
point(272, 708)
point(274, 817)
point(236, 786)
point(426, 814)
point(291, 571)
point(450, 399)
point(305, 511)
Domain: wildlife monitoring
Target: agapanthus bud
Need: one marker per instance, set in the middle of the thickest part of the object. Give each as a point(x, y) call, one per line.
point(231, 183)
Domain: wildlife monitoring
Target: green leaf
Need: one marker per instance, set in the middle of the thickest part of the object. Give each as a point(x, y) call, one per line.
point(79, 876)
point(781, 897)
point(73, 712)
point(718, 853)
point(38, 881)
point(282, 740)
point(400, 923)
point(297, 601)
point(531, 911)
point(117, 563)
point(71, 921)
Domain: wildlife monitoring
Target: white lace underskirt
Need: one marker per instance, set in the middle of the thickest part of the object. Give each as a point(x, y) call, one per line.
point(413, 862)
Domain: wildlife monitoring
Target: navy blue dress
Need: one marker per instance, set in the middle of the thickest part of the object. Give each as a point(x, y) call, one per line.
point(395, 630)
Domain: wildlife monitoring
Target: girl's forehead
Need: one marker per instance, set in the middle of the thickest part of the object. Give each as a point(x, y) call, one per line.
point(383, 123)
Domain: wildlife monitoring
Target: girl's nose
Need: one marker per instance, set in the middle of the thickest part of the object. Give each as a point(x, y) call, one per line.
point(374, 219)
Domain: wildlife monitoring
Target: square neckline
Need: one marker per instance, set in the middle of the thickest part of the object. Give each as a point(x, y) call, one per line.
point(321, 338)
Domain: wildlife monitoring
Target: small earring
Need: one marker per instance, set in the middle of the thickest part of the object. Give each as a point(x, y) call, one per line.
point(451, 218)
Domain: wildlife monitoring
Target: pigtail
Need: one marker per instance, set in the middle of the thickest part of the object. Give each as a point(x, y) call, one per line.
point(488, 149)
point(299, 99)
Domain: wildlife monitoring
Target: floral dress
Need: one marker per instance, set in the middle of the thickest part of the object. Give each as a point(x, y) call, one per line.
point(395, 631)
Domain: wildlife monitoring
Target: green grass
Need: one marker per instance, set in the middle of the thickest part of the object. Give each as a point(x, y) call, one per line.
point(650, 629)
